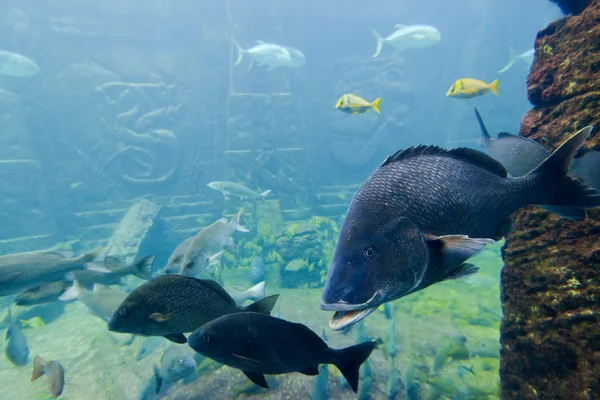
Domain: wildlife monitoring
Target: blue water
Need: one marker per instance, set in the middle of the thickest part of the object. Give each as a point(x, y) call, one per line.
point(140, 102)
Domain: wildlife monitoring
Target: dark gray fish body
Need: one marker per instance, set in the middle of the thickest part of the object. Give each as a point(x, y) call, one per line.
point(520, 155)
point(170, 305)
point(176, 363)
point(53, 370)
point(278, 347)
point(142, 268)
point(15, 344)
point(24, 271)
point(425, 211)
point(45, 293)
point(587, 167)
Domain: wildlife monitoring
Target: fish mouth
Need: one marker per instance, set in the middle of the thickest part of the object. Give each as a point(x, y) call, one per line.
point(343, 319)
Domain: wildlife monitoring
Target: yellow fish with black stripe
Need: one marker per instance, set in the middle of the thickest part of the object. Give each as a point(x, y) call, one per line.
point(467, 88)
point(352, 104)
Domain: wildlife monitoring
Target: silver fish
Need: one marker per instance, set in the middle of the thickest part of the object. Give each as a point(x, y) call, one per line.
point(102, 301)
point(271, 55)
point(23, 271)
point(13, 64)
point(236, 189)
point(15, 345)
point(174, 263)
point(53, 370)
point(207, 246)
point(408, 37)
point(526, 58)
point(255, 293)
point(176, 363)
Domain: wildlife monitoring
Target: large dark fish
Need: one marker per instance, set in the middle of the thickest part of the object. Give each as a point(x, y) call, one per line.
point(520, 155)
point(171, 305)
point(259, 344)
point(425, 211)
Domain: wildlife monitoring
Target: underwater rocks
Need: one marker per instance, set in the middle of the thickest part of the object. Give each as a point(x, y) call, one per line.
point(549, 333)
point(567, 58)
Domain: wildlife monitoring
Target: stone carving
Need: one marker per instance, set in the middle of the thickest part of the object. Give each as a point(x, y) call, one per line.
point(146, 152)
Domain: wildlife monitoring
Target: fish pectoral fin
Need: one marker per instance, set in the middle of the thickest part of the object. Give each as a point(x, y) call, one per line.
point(312, 370)
point(176, 338)
point(454, 250)
point(462, 271)
point(9, 277)
point(258, 379)
point(158, 317)
point(247, 359)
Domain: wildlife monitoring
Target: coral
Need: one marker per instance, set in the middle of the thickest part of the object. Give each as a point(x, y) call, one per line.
point(549, 283)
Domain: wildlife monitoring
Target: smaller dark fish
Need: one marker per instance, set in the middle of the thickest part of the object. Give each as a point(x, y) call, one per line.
point(277, 347)
point(54, 371)
point(142, 268)
point(520, 155)
point(171, 305)
point(587, 167)
point(42, 294)
point(15, 345)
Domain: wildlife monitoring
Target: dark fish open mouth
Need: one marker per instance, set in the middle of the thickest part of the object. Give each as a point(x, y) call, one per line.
point(343, 319)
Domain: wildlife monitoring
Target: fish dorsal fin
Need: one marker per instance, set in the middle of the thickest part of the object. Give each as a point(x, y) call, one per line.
point(213, 285)
point(505, 135)
point(399, 26)
point(465, 154)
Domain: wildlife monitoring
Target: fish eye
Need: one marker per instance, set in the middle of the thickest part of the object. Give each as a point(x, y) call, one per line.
point(122, 312)
point(190, 264)
point(370, 251)
point(177, 260)
point(206, 338)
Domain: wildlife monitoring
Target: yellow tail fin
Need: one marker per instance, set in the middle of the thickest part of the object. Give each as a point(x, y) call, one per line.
point(494, 86)
point(375, 105)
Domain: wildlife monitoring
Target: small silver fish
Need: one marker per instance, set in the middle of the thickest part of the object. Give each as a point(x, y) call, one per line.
point(176, 363)
point(13, 64)
point(236, 189)
point(55, 372)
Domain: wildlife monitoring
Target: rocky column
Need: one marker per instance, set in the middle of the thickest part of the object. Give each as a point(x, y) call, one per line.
point(550, 333)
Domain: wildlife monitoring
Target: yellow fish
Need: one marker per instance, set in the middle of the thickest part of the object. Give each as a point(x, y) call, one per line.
point(352, 104)
point(34, 322)
point(467, 88)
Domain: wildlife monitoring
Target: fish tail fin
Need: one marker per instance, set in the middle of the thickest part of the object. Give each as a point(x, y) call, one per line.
point(257, 291)
point(484, 132)
point(349, 360)
point(494, 86)
point(72, 293)
point(143, 267)
point(264, 306)
point(379, 42)
point(95, 260)
point(375, 105)
point(235, 221)
point(511, 60)
point(240, 51)
point(553, 173)
point(38, 367)
point(265, 193)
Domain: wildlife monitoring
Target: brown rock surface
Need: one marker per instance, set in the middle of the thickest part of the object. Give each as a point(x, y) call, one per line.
point(550, 334)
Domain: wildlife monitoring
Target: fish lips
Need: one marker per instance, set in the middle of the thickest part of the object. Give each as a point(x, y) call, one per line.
point(349, 314)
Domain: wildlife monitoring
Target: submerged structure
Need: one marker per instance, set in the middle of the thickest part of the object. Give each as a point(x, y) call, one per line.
point(550, 291)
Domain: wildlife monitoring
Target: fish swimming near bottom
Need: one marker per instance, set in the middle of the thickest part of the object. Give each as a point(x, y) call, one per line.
point(53, 370)
point(520, 155)
point(45, 293)
point(353, 104)
point(425, 211)
point(237, 190)
point(176, 363)
point(259, 344)
point(22, 271)
point(101, 301)
point(171, 305)
point(141, 268)
point(15, 343)
point(467, 88)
